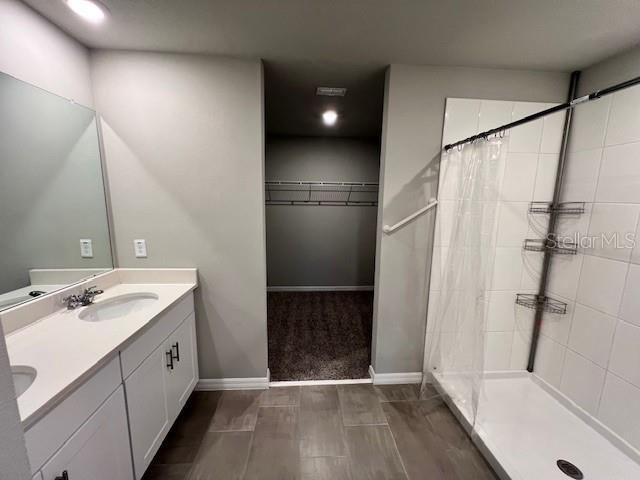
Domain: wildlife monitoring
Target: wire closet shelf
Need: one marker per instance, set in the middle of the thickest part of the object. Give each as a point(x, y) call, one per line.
point(298, 192)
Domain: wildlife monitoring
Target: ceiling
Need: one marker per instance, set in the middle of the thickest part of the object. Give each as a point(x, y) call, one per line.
point(293, 108)
point(348, 43)
point(540, 34)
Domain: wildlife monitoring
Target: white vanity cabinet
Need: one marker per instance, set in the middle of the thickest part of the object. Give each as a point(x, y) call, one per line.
point(122, 411)
point(158, 388)
point(99, 450)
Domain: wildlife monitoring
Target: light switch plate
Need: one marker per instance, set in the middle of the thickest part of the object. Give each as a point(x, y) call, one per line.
point(86, 248)
point(140, 248)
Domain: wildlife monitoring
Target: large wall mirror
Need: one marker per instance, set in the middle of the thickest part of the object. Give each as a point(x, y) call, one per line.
point(53, 218)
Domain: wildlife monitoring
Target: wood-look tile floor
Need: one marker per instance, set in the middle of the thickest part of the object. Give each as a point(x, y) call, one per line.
point(344, 432)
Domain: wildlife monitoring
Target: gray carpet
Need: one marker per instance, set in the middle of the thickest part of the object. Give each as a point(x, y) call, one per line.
point(319, 335)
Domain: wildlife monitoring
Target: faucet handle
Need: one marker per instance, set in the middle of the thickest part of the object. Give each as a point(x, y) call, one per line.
point(72, 301)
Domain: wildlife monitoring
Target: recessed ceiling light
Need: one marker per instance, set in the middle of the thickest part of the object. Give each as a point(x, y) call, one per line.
point(329, 117)
point(88, 9)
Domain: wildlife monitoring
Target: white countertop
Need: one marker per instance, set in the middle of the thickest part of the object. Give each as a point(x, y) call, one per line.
point(65, 350)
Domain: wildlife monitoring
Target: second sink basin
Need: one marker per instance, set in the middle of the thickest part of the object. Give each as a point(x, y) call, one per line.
point(23, 377)
point(116, 307)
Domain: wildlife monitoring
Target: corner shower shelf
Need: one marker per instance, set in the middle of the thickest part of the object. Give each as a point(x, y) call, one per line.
point(540, 245)
point(547, 304)
point(279, 192)
point(567, 208)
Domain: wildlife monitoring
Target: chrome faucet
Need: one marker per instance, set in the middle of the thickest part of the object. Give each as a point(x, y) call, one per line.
point(82, 300)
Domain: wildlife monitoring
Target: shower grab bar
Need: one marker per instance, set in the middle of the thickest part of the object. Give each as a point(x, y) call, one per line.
point(390, 229)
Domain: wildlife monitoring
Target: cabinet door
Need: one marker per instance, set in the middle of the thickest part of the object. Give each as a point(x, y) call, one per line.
point(182, 378)
point(147, 406)
point(99, 449)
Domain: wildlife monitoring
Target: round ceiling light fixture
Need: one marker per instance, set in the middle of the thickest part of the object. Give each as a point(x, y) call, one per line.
point(330, 117)
point(89, 10)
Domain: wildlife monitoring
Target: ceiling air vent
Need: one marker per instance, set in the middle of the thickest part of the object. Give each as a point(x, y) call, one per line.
point(331, 91)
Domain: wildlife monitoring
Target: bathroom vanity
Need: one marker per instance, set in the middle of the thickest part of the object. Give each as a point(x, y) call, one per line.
point(99, 386)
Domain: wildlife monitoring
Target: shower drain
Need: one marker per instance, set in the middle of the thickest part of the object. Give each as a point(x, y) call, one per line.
point(569, 469)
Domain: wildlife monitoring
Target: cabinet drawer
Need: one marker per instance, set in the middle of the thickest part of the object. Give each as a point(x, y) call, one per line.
point(99, 450)
point(46, 436)
point(133, 355)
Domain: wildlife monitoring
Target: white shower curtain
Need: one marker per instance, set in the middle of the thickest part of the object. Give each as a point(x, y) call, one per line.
point(471, 177)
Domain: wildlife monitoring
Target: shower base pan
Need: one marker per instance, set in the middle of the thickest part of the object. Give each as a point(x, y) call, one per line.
point(524, 426)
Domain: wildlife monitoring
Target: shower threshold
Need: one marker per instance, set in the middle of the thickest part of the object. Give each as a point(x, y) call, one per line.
point(524, 426)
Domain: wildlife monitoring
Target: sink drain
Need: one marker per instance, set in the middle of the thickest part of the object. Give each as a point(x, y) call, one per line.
point(569, 469)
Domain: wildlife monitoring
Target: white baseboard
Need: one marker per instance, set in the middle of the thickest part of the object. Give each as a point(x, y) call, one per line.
point(323, 288)
point(307, 383)
point(212, 384)
point(394, 378)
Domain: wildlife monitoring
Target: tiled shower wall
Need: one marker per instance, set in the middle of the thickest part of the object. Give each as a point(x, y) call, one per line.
point(593, 354)
point(528, 175)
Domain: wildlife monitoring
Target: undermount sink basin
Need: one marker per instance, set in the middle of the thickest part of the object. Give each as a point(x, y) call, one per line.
point(117, 307)
point(23, 377)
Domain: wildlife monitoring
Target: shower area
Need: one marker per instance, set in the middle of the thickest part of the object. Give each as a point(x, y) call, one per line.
point(533, 323)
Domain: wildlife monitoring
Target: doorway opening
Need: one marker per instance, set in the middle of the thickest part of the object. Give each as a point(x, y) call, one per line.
point(322, 165)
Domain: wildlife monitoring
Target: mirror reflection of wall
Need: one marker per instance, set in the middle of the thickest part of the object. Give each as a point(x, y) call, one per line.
point(52, 195)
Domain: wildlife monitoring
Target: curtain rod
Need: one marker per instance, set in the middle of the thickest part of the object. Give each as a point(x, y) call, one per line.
point(558, 108)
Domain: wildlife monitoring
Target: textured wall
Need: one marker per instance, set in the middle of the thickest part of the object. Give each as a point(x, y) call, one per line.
point(36, 51)
point(184, 146)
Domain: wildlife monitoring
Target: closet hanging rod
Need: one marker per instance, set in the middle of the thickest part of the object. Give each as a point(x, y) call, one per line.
point(558, 108)
point(390, 229)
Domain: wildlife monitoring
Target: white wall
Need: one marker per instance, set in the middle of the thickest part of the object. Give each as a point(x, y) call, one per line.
point(184, 145)
point(321, 245)
point(34, 50)
point(412, 134)
point(594, 356)
point(528, 175)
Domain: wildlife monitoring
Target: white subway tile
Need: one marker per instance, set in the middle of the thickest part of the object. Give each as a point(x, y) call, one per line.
point(460, 119)
point(582, 381)
point(527, 137)
point(630, 308)
point(581, 176)
point(531, 270)
point(601, 284)
point(498, 351)
point(565, 275)
point(635, 254)
point(549, 360)
point(592, 334)
point(502, 308)
point(612, 228)
point(589, 124)
point(520, 349)
point(557, 326)
point(619, 409)
point(619, 179)
point(624, 119)
point(552, 132)
point(545, 177)
point(494, 113)
point(512, 224)
point(519, 177)
point(507, 268)
point(625, 353)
